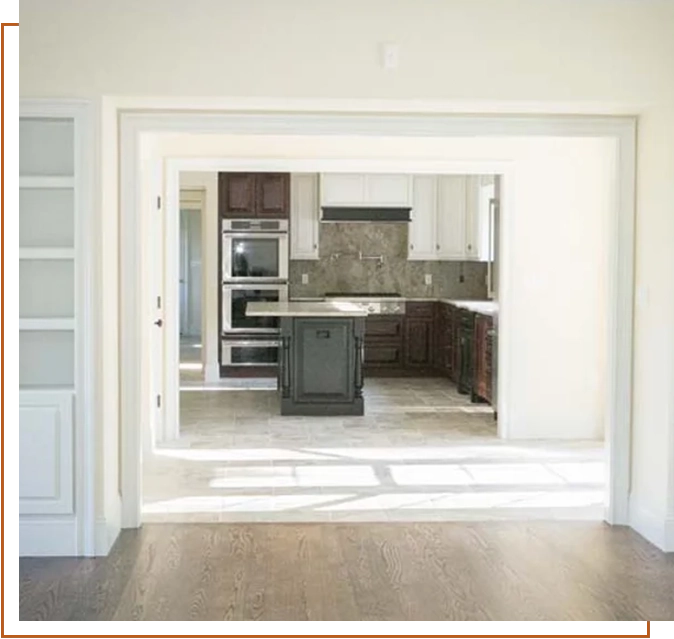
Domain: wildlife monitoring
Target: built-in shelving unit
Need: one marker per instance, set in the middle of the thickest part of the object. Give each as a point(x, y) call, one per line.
point(46, 252)
point(55, 442)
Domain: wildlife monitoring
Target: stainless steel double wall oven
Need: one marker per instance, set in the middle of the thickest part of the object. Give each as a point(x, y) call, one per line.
point(254, 268)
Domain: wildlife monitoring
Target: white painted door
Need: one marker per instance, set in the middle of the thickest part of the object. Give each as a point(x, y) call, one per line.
point(421, 230)
point(451, 218)
point(304, 216)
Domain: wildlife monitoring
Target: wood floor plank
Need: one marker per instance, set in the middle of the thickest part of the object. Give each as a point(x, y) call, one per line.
point(344, 571)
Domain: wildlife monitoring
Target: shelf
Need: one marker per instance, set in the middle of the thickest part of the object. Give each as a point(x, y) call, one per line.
point(46, 182)
point(46, 324)
point(56, 388)
point(46, 146)
point(46, 253)
point(46, 289)
point(47, 358)
point(46, 218)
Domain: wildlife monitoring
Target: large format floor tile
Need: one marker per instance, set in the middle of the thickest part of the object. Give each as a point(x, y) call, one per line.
point(422, 452)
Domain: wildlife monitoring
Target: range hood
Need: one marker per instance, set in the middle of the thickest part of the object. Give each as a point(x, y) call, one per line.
point(366, 214)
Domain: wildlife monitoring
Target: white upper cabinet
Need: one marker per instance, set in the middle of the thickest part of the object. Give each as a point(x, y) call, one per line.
point(304, 216)
point(479, 194)
point(388, 190)
point(366, 189)
point(451, 218)
point(421, 233)
point(342, 189)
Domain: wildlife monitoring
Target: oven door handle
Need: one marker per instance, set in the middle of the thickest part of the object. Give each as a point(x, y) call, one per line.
point(255, 235)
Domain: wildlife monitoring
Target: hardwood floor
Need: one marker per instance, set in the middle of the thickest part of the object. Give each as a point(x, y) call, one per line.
point(376, 571)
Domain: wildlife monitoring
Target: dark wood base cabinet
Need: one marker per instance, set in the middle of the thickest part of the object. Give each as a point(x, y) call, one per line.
point(466, 332)
point(248, 371)
point(383, 346)
point(483, 353)
point(320, 366)
point(419, 337)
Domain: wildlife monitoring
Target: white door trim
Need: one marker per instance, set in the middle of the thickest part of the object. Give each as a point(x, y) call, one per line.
point(622, 129)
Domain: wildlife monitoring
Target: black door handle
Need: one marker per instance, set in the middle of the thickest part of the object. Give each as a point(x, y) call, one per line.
point(159, 323)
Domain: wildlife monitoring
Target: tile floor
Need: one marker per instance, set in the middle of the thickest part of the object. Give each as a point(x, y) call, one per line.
point(422, 452)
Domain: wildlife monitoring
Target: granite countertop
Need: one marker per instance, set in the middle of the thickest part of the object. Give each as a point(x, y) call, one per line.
point(486, 307)
point(305, 309)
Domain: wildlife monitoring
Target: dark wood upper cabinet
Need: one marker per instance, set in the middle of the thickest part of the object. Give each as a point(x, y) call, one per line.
point(273, 195)
point(251, 195)
point(236, 195)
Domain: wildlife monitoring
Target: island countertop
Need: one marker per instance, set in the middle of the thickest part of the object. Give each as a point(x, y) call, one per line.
point(332, 308)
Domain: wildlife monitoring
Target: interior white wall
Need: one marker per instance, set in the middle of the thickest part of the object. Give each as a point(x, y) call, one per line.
point(478, 56)
point(559, 289)
point(208, 181)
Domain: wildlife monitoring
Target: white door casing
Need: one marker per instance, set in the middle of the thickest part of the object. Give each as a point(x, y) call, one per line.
point(622, 256)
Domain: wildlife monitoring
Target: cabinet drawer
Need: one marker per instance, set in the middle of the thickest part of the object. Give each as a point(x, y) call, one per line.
point(383, 329)
point(419, 309)
point(383, 355)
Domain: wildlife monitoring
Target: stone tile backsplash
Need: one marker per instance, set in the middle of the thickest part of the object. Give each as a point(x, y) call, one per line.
point(340, 270)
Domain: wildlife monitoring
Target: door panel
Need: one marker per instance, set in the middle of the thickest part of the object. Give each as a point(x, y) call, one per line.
point(451, 219)
point(422, 242)
point(273, 195)
point(325, 349)
point(236, 195)
point(304, 220)
point(418, 342)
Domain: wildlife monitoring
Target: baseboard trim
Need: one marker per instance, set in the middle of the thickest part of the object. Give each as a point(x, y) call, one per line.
point(108, 528)
point(48, 536)
point(659, 530)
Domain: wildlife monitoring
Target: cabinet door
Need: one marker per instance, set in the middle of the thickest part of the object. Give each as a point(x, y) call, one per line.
point(418, 342)
point(479, 192)
point(451, 218)
point(342, 189)
point(304, 221)
point(387, 189)
point(46, 469)
point(236, 195)
point(273, 195)
point(421, 230)
point(439, 337)
point(326, 351)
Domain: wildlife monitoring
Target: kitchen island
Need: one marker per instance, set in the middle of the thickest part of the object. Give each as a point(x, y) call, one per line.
point(320, 355)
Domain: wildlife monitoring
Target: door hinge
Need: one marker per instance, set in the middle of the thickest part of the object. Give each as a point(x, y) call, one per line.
point(158, 401)
point(158, 301)
point(159, 201)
